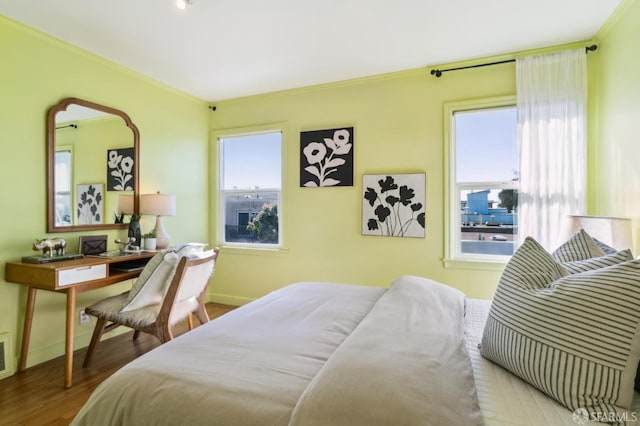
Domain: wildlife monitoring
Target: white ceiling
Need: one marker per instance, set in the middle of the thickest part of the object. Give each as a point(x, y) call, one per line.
point(220, 49)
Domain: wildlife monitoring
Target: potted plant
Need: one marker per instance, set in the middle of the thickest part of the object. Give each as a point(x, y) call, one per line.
point(150, 240)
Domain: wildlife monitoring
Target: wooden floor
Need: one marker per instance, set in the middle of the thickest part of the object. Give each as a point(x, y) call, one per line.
point(37, 396)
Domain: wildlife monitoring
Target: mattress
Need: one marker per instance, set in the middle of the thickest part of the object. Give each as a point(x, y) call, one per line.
point(504, 398)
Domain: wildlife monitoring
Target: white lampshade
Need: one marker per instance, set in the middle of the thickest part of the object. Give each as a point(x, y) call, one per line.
point(613, 231)
point(125, 204)
point(159, 205)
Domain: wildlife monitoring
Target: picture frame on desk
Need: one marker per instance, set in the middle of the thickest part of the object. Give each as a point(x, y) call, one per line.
point(93, 244)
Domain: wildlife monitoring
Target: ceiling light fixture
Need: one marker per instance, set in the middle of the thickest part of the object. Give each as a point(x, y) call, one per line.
point(182, 4)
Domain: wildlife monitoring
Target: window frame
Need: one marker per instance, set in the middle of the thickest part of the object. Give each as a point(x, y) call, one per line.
point(70, 176)
point(453, 256)
point(219, 193)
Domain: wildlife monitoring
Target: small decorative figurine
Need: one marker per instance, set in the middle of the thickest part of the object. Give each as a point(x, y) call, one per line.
point(48, 246)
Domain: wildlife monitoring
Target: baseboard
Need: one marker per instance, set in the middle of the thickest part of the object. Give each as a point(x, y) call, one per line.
point(55, 350)
point(228, 299)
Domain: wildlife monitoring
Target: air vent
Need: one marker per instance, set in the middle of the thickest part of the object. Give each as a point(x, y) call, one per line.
point(6, 365)
point(3, 364)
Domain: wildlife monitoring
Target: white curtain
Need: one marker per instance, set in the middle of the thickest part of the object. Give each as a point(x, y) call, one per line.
point(552, 97)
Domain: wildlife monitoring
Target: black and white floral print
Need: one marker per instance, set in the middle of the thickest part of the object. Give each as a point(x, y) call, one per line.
point(326, 157)
point(90, 204)
point(394, 205)
point(120, 169)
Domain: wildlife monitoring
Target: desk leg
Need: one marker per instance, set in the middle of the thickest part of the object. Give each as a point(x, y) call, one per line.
point(68, 350)
point(26, 332)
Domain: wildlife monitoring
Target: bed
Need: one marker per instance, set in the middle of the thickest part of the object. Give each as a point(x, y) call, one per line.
point(328, 354)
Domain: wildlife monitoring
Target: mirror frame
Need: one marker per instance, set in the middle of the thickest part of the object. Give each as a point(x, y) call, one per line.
point(51, 149)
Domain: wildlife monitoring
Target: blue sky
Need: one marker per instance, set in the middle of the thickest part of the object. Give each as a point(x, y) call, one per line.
point(486, 145)
point(252, 161)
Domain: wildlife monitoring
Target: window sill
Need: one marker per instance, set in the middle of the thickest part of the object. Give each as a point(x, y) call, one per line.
point(482, 265)
point(253, 251)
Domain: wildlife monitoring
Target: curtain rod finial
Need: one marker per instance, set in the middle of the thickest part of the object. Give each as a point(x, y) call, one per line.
point(437, 73)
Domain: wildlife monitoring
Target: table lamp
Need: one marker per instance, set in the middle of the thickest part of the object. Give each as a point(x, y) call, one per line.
point(612, 231)
point(124, 204)
point(159, 205)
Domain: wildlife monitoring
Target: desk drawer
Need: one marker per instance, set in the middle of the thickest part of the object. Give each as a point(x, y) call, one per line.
point(81, 274)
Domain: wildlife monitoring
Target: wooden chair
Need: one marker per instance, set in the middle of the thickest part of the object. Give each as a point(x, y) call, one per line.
point(185, 296)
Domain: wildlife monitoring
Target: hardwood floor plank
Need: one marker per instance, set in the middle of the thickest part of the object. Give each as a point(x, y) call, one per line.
point(37, 396)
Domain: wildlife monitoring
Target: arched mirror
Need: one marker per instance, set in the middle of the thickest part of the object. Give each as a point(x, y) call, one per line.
point(92, 159)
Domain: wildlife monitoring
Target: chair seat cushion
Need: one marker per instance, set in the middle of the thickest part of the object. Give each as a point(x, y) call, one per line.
point(110, 307)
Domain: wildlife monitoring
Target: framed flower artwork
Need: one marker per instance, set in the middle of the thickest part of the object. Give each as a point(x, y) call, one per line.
point(326, 157)
point(393, 205)
point(90, 204)
point(120, 169)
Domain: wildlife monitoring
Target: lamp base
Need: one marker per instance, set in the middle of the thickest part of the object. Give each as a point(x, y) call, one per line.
point(162, 238)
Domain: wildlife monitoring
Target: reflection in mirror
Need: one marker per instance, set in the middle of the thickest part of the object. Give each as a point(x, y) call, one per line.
point(63, 179)
point(92, 157)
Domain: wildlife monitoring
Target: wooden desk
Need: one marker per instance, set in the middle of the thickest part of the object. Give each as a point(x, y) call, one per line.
point(70, 277)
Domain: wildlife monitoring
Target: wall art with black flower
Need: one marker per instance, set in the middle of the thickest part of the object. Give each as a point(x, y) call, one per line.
point(120, 169)
point(326, 157)
point(90, 205)
point(393, 205)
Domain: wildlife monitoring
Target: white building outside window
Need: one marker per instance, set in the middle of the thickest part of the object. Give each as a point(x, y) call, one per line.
point(250, 189)
point(482, 180)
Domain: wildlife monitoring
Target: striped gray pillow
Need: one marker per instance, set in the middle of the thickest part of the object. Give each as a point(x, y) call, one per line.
point(604, 247)
point(574, 337)
point(578, 266)
point(579, 247)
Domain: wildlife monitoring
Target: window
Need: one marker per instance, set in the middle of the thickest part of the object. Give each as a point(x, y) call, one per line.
point(62, 186)
point(482, 180)
point(250, 183)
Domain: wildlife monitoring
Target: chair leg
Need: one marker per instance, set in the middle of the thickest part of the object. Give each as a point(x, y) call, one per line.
point(95, 339)
point(201, 313)
point(164, 333)
point(190, 321)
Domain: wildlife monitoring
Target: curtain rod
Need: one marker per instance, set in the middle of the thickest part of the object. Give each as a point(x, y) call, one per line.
point(75, 126)
point(438, 72)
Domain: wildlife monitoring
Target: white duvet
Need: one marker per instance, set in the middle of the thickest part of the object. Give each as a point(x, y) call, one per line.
point(308, 354)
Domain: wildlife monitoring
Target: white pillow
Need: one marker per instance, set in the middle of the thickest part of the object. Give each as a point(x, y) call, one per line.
point(152, 284)
point(188, 249)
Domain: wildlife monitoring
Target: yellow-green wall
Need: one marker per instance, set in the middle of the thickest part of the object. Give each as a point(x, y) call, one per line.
point(615, 151)
point(398, 127)
point(36, 73)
